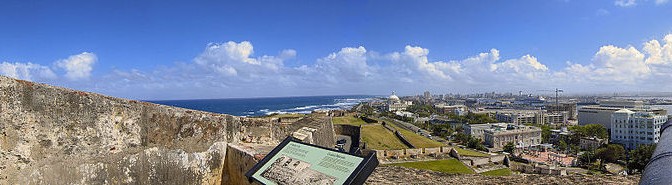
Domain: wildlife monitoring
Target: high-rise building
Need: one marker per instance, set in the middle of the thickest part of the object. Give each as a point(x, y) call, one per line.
point(602, 114)
point(569, 108)
point(530, 117)
point(635, 128)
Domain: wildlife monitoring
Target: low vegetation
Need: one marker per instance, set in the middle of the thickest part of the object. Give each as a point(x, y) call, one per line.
point(500, 172)
point(348, 120)
point(450, 166)
point(468, 152)
point(416, 139)
point(377, 137)
point(470, 141)
point(473, 118)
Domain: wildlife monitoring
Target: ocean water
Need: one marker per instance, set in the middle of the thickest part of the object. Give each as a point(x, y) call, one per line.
point(266, 106)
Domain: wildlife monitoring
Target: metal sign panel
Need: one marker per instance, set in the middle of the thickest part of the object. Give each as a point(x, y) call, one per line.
point(294, 162)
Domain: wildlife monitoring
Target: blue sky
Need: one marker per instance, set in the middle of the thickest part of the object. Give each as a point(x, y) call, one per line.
point(212, 49)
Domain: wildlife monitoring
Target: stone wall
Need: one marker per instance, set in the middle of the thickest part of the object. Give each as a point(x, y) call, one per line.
point(349, 130)
point(455, 154)
point(414, 152)
point(477, 161)
point(497, 158)
point(385, 156)
point(403, 139)
point(432, 151)
point(53, 135)
point(538, 169)
point(395, 154)
point(323, 137)
point(239, 160)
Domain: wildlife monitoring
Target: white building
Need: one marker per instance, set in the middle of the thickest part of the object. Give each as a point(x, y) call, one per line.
point(476, 130)
point(635, 128)
point(521, 136)
point(443, 108)
point(538, 117)
point(602, 114)
point(394, 104)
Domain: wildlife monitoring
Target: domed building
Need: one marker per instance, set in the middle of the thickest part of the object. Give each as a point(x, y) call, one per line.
point(394, 103)
point(393, 98)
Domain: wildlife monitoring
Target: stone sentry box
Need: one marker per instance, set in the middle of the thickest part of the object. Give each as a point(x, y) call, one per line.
point(295, 162)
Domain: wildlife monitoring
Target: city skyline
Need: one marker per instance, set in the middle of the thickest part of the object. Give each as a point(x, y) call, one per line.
point(151, 50)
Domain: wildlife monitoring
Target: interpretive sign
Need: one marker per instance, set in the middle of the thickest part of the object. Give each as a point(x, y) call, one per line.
point(294, 162)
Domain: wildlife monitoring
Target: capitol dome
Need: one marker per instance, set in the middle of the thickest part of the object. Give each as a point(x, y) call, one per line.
point(393, 97)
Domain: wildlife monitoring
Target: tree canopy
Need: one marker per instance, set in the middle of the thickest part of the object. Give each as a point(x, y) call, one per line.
point(640, 156)
point(610, 153)
point(590, 130)
point(473, 118)
point(509, 147)
point(423, 110)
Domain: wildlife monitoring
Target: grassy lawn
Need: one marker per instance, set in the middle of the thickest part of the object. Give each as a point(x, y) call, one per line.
point(451, 166)
point(500, 172)
point(469, 152)
point(348, 120)
point(416, 139)
point(377, 137)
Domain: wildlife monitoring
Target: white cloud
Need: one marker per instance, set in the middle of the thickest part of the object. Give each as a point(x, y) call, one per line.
point(413, 63)
point(620, 64)
point(347, 65)
point(625, 3)
point(78, 67)
point(602, 12)
point(525, 69)
point(659, 54)
point(660, 57)
point(630, 3)
point(232, 59)
point(231, 69)
point(26, 71)
point(613, 65)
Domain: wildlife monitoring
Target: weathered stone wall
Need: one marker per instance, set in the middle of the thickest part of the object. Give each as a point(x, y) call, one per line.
point(432, 151)
point(414, 152)
point(475, 161)
point(57, 135)
point(395, 154)
point(239, 159)
point(538, 169)
point(258, 130)
point(497, 158)
point(446, 149)
point(403, 139)
point(324, 136)
point(455, 154)
point(60, 136)
point(350, 130)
